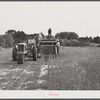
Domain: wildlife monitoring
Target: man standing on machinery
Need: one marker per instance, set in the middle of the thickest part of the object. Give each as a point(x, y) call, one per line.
point(49, 33)
point(58, 46)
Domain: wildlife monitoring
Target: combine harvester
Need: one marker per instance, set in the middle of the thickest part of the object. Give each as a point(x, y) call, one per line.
point(35, 47)
point(49, 47)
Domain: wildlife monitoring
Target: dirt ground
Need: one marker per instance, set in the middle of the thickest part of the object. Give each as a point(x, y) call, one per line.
point(74, 69)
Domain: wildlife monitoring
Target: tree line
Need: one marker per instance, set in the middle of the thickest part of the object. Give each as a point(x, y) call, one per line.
point(73, 35)
point(73, 39)
point(12, 37)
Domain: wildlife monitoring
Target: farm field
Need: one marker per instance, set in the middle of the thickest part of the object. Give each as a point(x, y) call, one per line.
point(76, 68)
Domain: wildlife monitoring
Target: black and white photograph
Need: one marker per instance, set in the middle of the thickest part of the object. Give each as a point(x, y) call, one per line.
point(49, 45)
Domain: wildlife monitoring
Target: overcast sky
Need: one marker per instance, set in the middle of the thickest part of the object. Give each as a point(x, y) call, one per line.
point(35, 17)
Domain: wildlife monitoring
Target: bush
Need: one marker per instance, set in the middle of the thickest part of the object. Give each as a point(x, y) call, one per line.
point(74, 42)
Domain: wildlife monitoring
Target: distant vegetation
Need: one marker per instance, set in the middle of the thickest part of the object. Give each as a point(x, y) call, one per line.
point(72, 39)
point(12, 37)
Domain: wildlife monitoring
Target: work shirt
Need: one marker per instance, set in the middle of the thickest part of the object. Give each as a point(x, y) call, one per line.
point(58, 44)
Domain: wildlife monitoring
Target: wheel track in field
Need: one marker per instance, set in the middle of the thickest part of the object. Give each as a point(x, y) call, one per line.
point(22, 77)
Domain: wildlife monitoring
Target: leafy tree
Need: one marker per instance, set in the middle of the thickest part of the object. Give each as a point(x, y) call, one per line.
point(9, 39)
point(2, 41)
point(72, 35)
point(67, 35)
point(97, 39)
point(85, 39)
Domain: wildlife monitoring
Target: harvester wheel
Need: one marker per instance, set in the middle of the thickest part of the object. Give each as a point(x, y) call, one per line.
point(55, 51)
point(20, 59)
point(34, 53)
point(14, 54)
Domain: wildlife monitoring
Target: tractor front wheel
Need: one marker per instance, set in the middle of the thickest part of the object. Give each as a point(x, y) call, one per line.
point(20, 58)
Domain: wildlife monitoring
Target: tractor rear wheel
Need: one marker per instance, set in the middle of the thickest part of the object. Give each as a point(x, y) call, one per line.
point(20, 58)
point(34, 53)
point(14, 54)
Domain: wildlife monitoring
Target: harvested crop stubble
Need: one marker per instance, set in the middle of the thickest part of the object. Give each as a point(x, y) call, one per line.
point(76, 68)
point(79, 69)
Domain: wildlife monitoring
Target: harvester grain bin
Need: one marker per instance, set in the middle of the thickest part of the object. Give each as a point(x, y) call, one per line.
point(48, 48)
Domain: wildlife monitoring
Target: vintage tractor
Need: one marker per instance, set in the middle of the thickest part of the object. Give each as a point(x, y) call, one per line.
point(29, 48)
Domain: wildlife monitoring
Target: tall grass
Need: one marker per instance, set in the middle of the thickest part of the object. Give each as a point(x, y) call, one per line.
point(76, 69)
point(74, 43)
